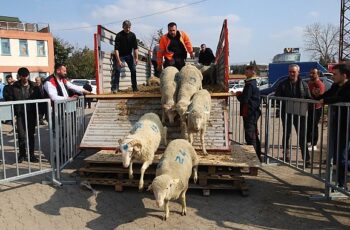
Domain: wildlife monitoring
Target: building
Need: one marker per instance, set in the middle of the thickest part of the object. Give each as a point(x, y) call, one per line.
point(25, 45)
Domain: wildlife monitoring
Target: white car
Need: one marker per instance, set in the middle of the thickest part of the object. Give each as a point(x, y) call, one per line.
point(81, 82)
point(236, 87)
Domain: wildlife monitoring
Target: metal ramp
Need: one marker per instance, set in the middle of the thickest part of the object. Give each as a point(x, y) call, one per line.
point(116, 114)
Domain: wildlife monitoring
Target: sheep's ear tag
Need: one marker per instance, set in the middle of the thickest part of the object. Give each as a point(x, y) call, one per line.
point(125, 147)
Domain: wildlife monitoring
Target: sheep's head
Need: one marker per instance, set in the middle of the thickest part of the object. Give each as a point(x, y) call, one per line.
point(163, 187)
point(196, 120)
point(170, 111)
point(181, 107)
point(128, 148)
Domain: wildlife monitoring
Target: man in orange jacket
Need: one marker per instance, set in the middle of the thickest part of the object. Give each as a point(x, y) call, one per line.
point(174, 47)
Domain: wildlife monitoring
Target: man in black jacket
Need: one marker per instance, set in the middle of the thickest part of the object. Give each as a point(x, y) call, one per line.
point(125, 43)
point(339, 124)
point(293, 87)
point(25, 90)
point(250, 109)
point(206, 56)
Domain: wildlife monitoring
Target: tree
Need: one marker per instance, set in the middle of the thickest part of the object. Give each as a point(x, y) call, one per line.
point(322, 42)
point(81, 64)
point(62, 50)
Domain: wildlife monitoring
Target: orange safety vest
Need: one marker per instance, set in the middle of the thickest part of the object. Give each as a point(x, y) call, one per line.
point(164, 43)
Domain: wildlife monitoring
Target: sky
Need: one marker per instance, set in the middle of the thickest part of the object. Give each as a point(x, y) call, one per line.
point(258, 29)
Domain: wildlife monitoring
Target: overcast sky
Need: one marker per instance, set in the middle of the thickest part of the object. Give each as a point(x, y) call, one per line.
point(258, 29)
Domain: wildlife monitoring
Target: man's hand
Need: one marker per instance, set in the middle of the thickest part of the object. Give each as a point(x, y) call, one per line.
point(322, 101)
point(136, 61)
point(120, 64)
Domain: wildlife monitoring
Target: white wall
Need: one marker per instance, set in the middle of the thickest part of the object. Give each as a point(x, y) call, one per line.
point(31, 60)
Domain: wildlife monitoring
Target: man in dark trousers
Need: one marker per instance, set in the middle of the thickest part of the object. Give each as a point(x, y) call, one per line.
point(125, 43)
point(42, 106)
point(339, 124)
point(25, 90)
point(317, 88)
point(206, 56)
point(250, 109)
point(87, 87)
point(293, 87)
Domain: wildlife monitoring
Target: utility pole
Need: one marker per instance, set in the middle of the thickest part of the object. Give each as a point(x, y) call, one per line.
point(344, 35)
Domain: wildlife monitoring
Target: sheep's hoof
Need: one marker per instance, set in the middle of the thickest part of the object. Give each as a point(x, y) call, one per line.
point(131, 176)
point(183, 213)
point(140, 187)
point(205, 153)
point(165, 218)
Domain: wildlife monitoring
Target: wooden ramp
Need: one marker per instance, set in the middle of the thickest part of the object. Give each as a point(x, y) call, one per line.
point(215, 171)
point(116, 114)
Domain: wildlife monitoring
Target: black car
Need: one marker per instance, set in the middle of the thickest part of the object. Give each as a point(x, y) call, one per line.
point(271, 90)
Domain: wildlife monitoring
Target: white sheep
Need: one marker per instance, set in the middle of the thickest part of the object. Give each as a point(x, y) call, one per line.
point(190, 82)
point(198, 116)
point(169, 89)
point(173, 173)
point(142, 142)
point(209, 74)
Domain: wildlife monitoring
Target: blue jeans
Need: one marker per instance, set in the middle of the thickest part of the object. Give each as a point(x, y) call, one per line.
point(116, 73)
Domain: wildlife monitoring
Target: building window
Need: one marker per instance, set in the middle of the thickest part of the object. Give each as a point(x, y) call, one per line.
point(41, 48)
point(5, 46)
point(23, 48)
point(42, 74)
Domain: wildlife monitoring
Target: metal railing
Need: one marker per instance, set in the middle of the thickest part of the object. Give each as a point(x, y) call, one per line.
point(27, 27)
point(25, 149)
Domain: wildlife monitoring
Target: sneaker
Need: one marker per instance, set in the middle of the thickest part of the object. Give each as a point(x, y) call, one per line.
point(21, 159)
point(114, 91)
point(135, 90)
point(312, 147)
point(307, 164)
point(42, 122)
point(33, 159)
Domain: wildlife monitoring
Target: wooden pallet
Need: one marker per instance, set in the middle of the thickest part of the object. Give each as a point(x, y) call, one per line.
point(218, 170)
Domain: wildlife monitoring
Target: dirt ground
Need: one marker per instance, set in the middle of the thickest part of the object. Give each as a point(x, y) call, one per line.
point(279, 199)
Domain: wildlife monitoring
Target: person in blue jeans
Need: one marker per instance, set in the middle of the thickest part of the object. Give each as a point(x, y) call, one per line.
point(125, 42)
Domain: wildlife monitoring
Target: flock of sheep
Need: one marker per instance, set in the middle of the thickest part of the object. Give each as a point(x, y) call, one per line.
point(182, 96)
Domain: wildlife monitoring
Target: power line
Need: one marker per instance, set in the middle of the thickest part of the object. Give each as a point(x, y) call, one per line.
point(139, 17)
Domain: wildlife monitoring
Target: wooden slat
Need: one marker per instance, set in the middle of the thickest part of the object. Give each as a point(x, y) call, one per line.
point(112, 120)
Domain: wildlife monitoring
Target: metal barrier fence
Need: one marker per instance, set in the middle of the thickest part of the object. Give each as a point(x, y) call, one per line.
point(25, 144)
point(292, 130)
point(28, 147)
point(68, 131)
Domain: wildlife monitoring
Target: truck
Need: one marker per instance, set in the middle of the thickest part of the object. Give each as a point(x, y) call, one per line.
point(278, 70)
point(115, 115)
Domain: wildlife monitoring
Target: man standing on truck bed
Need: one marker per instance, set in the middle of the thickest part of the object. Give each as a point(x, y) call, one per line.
point(174, 46)
point(125, 42)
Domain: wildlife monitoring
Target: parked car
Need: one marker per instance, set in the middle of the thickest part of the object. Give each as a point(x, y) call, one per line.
point(236, 87)
point(81, 82)
point(271, 90)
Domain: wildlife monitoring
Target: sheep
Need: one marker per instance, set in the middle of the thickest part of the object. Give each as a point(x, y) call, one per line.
point(153, 81)
point(173, 173)
point(198, 115)
point(142, 142)
point(190, 82)
point(169, 89)
point(209, 74)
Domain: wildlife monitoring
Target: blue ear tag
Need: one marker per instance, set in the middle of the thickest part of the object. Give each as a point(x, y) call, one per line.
point(125, 147)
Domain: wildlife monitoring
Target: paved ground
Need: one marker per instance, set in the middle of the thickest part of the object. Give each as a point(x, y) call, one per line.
point(279, 199)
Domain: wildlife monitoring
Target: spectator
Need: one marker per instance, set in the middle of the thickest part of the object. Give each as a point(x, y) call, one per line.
point(6, 90)
point(125, 42)
point(250, 109)
point(317, 88)
point(57, 87)
point(293, 87)
point(154, 60)
point(173, 46)
point(25, 89)
point(340, 137)
point(87, 101)
point(42, 106)
point(1, 90)
point(206, 56)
